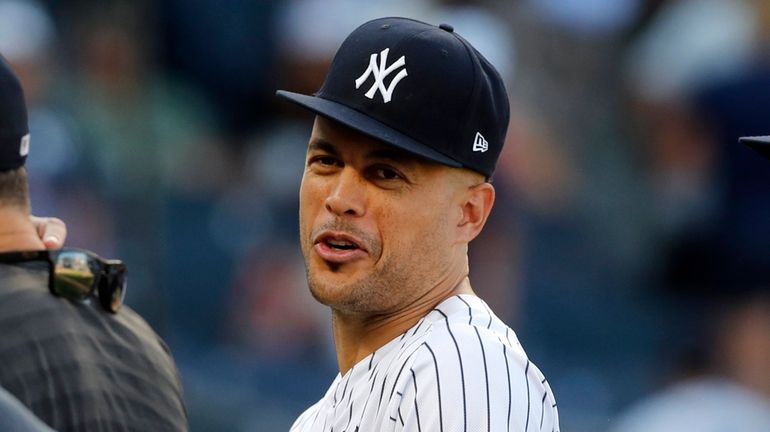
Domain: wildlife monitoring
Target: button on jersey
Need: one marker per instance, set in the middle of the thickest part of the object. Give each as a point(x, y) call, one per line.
point(460, 368)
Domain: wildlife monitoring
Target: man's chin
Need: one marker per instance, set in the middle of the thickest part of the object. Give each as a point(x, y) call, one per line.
point(334, 298)
point(333, 289)
point(330, 280)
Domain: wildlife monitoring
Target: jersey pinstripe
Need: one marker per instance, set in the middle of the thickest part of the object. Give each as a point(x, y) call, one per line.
point(460, 368)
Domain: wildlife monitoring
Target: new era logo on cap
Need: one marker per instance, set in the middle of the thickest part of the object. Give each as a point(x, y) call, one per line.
point(480, 144)
point(435, 110)
point(24, 146)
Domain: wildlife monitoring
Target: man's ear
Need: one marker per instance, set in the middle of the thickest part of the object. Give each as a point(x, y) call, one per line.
point(476, 206)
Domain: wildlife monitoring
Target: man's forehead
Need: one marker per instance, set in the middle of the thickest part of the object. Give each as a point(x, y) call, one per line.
point(327, 128)
point(332, 136)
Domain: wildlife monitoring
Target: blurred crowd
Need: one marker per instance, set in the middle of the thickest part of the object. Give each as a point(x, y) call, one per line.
point(629, 246)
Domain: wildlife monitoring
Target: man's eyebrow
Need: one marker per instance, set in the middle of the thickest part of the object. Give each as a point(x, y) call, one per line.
point(392, 154)
point(322, 145)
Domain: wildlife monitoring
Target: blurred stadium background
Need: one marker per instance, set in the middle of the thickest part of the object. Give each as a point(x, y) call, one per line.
point(629, 248)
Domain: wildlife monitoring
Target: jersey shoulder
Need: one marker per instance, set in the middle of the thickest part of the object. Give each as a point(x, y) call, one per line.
point(466, 324)
point(469, 371)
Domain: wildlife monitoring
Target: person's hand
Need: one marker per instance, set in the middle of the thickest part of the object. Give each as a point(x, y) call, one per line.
point(52, 231)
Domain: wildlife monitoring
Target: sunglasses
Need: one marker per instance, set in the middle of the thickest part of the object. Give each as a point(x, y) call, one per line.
point(77, 274)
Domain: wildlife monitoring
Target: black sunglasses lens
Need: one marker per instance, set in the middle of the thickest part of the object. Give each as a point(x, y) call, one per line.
point(73, 275)
point(119, 293)
point(112, 288)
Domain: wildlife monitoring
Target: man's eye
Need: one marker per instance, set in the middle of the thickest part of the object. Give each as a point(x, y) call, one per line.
point(386, 173)
point(324, 160)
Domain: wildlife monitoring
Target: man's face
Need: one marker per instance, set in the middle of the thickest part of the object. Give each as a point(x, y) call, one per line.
point(377, 225)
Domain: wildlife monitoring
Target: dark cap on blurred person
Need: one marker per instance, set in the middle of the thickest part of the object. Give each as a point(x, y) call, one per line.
point(418, 87)
point(14, 132)
point(759, 143)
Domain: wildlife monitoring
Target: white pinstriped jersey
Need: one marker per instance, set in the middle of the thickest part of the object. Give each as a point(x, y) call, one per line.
point(460, 368)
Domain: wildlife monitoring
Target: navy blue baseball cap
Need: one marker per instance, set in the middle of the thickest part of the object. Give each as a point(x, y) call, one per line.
point(14, 132)
point(759, 143)
point(419, 87)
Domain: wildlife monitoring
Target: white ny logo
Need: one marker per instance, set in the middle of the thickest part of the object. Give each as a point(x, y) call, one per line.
point(380, 73)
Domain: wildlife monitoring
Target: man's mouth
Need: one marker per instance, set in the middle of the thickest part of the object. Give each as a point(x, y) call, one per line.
point(341, 244)
point(339, 247)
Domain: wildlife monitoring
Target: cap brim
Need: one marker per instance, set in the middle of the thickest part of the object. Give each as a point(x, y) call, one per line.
point(759, 143)
point(366, 125)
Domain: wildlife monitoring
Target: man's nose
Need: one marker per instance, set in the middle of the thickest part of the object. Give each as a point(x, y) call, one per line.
point(348, 195)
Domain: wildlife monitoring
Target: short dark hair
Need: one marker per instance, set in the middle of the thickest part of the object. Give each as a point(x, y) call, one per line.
point(14, 189)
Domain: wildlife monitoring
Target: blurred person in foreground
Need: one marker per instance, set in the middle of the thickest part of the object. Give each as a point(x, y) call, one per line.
point(410, 122)
point(79, 364)
point(61, 182)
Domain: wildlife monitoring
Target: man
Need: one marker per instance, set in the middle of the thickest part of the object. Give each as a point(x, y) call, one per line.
point(410, 122)
point(76, 366)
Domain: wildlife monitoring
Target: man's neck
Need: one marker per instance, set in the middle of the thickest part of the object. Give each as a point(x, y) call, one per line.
point(17, 231)
point(357, 336)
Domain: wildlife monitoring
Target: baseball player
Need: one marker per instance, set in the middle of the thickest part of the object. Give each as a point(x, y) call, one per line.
point(409, 125)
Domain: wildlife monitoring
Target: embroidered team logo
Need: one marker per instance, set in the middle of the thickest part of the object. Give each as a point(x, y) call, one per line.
point(480, 144)
point(380, 72)
point(24, 146)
